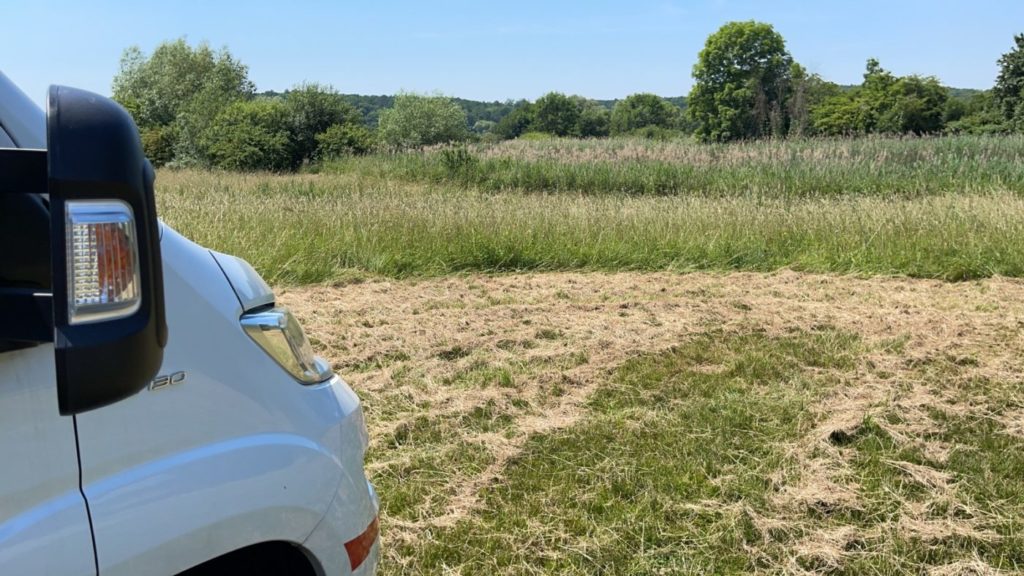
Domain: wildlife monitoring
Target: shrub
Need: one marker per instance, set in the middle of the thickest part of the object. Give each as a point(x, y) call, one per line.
point(344, 140)
point(594, 121)
point(458, 161)
point(515, 123)
point(314, 109)
point(250, 135)
point(175, 93)
point(643, 110)
point(656, 133)
point(557, 114)
point(416, 121)
point(158, 144)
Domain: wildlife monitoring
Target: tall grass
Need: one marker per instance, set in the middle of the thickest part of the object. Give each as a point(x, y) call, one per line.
point(313, 228)
point(785, 169)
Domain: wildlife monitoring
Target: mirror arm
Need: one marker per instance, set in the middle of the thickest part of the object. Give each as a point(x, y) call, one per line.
point(26, 315)
point(23, 171)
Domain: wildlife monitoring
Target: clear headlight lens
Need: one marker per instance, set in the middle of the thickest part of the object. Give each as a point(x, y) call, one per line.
point(281, 336)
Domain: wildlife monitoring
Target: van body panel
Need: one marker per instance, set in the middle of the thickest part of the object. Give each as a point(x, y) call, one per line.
point(236, 452)
point(41, 507)
point(224, 450)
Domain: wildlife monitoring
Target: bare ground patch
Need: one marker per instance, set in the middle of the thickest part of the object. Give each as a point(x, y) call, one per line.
point(491, 360)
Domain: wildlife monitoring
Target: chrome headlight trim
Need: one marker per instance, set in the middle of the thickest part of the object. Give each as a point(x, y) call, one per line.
point(280, 335)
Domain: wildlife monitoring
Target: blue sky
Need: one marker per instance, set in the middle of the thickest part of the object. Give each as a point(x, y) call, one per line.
point(499, 50)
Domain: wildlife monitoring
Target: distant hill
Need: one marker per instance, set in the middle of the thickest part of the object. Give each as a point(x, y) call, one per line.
point(476, 110)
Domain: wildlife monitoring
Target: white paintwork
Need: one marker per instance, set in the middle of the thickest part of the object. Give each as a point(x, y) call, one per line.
point(239, 453)
point(41, 509)
point(21, 118)
point(250, 288)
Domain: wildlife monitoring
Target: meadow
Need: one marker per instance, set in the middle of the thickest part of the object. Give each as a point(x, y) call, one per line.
point(637, 357)
point(945, 208)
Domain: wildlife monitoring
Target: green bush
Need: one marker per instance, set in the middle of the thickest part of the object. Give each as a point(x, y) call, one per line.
point(458, 161)
point(175, 93)
point(416, 121)
point(344, 140)
point(158, 144)
point(659, 133)
point(594, 121)
point(313, 109)
point(641, 111)
point(556, 114)
point(250, 135)
point(515, 123)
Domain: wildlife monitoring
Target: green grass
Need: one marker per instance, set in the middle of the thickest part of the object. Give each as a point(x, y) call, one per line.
point(906, 168)
point(658, 476)
point(678, 466)
point(937, 208)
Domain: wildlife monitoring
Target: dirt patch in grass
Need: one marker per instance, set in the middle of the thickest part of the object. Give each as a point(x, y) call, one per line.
point(519, 355)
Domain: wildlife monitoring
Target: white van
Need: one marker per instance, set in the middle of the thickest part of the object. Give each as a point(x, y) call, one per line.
point(158, 413)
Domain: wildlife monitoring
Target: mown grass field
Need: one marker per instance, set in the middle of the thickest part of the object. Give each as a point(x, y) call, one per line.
point(548, 392)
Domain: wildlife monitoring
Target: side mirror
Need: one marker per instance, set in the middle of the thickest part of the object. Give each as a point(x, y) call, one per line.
point(106, 312)
point(108, 301)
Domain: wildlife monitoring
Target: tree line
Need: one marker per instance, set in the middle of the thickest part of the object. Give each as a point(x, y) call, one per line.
point(749, 86)
point(197, 106)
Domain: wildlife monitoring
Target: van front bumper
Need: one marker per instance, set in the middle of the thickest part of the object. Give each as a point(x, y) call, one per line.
point(345, 542)
point(337, 551)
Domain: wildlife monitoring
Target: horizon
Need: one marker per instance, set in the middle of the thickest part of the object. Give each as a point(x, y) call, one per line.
point(603, 50)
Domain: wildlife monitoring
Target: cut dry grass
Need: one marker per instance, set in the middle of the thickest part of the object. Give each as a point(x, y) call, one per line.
point(663, 423)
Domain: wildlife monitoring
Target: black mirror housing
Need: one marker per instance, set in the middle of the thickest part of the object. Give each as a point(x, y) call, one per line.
point(94, 153)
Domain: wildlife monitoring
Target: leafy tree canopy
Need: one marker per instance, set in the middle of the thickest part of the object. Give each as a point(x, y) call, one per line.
point(1009, 88)
point(417, 120)
point(313, 109)
point(643, 110)
point(556, 114)
point(741, 84)
point(884, 104)
point(250, 135)
point(175, 92)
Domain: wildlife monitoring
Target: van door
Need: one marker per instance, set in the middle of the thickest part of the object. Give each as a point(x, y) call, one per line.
point(44, 523)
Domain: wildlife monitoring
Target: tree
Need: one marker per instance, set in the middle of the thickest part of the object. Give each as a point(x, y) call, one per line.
point(1009, 89)
point(917, 106)
point(516, 122)
point(981, 115)
point(177, 91)
point(483, 126)
point(343, 140)
point(840, 115)
point(876, 98)
point(885, 104)
point(416, 120)
point(741, 78)
point(249, 135)
point(594, 120)
point(557, 114)
point(806, 92)
point(642, 110)
point(312, 110)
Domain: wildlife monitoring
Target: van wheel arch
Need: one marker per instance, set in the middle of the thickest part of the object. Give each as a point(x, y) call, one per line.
point(263, 559)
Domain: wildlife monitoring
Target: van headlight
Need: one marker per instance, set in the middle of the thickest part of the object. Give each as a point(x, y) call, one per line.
point(281, 336)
